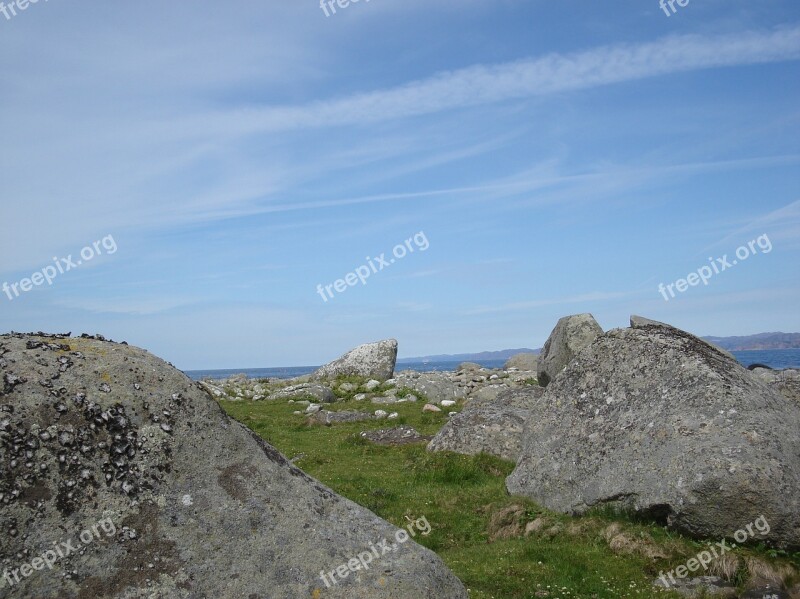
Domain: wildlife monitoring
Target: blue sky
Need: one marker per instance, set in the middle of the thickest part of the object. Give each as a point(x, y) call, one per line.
point(560, 157)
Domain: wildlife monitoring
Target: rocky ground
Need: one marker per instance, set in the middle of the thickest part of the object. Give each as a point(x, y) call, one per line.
point(447, 391)
point(649, 420)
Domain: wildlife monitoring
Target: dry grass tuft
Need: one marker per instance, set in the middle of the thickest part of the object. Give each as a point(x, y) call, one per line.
point(507, 523)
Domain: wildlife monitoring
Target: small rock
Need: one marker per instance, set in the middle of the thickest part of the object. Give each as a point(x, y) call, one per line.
point(428, 407)
point(371, 385)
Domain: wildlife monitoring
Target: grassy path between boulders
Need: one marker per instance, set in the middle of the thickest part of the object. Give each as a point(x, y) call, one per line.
point(477, 529)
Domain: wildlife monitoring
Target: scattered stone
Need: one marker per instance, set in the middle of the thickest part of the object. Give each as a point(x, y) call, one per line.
point(379, 414)
point(447, 403)
point(401, 435)
point(430, 408)
point(313, 408)
point(370, 385)
point(469, 367)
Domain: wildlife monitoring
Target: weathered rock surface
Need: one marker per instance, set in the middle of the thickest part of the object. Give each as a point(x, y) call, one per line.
point(523, 361)
point(570, 335)
point(489, 426)
point(640, 322)
point(436, 386)
point(304, 390)
point(487, 394)
point(656, 420)
point(786, 382)
point(519, 397)
point(201, 507)
point(372, 360)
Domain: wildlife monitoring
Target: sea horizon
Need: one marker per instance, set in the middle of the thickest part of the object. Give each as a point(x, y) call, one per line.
point(774, 358)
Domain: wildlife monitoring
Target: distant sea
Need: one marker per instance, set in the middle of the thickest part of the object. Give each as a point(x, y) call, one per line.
point(774, 358)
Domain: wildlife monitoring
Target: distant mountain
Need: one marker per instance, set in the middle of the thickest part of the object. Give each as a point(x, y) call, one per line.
point(503, 354)
point(758, 341)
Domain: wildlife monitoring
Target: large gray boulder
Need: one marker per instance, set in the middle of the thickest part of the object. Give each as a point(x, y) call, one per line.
point(570, 335)
point(371, 360)
point(306, 390)
point(523, 361)
point(493, 427)
point(656, 420)
point(159, 494)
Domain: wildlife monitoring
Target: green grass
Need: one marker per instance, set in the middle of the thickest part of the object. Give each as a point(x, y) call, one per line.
point(458, 495)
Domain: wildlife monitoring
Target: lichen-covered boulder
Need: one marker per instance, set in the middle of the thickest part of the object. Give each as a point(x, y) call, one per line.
point(110, 451)
point(371, 360)
point(494, 427)
point(655, 420)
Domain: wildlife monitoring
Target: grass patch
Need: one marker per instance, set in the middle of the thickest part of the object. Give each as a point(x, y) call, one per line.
point(459, 495)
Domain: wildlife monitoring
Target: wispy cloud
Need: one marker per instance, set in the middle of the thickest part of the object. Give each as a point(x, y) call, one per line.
point(483, 84)
point(783, 223)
